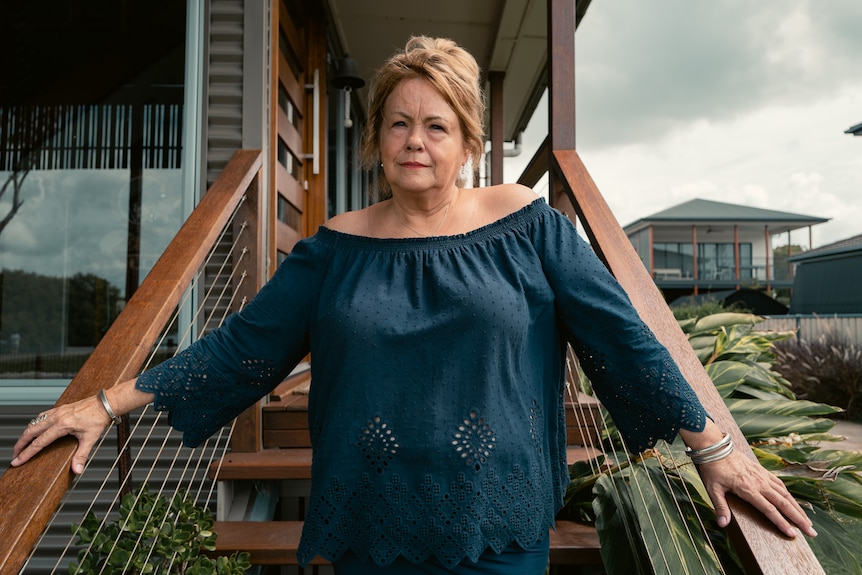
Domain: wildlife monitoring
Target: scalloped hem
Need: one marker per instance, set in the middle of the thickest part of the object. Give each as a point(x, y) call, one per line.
point(513, 560)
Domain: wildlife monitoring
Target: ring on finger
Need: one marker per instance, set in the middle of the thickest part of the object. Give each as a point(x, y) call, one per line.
point(39, 419)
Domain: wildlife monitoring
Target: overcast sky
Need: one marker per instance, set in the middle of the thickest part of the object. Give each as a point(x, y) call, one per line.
point(733, 101)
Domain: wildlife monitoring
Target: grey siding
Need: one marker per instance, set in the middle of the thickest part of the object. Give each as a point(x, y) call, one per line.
point(223, 85)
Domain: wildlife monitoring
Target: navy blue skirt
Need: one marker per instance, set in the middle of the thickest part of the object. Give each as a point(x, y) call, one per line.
point(514, 560)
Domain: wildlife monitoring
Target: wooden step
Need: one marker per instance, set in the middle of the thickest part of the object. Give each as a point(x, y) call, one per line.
point(275, 542)
point(295, 463)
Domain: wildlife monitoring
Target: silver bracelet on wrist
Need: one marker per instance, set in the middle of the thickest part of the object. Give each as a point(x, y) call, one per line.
point(715, 452)
point(104, 398)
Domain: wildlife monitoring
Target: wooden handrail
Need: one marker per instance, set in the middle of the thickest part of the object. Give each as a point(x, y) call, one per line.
point(30, 494)
point(760, 546)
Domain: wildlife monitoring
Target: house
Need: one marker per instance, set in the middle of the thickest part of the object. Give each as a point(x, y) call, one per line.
point(702, 246)
point(120, 121)
point(827, 279)
point(115, 120)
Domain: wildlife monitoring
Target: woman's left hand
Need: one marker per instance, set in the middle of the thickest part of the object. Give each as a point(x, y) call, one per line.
point(750, 481)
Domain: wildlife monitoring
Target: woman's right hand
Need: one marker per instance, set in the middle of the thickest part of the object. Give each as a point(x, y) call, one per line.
point(85, 419)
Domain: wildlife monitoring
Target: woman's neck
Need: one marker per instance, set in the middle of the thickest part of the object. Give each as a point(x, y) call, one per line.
point(424, 216)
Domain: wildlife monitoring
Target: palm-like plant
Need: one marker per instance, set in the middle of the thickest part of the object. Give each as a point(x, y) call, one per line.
point(657, 506)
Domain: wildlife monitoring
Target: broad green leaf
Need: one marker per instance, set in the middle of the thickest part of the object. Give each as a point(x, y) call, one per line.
point(836, 546)
point(781, 407)
point(719, 320)
point(687, 324)
point(706, 341)
point(788, 433)
point(767, 380)
point(842, 494)
point(764, 425)
point(672, 543)
point(757, 392)
point(622, 550)
point(723, 372)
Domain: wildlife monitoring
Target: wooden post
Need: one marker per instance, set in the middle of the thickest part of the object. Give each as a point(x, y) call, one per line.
point(495, 79)
point(561, 92)
point(247, 432)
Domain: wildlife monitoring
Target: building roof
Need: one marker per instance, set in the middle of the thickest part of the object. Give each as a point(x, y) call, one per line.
point(841, 247)
point(855, 130)
point(698, 211)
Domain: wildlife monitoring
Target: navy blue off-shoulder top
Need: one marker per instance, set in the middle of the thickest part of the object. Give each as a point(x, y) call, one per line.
point(436, 404)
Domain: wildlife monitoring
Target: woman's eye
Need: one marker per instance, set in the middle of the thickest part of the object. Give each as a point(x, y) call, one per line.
point(437, 127)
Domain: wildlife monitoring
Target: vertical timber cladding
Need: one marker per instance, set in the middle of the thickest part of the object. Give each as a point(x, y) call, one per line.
point(297, 149)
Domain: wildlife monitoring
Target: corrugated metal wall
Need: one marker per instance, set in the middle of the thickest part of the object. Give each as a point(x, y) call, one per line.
point(223, 107)
point(224, 84)
point(808, 327)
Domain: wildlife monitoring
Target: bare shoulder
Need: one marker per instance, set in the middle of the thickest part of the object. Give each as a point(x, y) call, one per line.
point(499, 201)
point(355, 222)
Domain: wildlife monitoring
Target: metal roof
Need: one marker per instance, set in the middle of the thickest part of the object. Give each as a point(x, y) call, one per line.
point(855, 130)
point(698, 211)
point(849, 245)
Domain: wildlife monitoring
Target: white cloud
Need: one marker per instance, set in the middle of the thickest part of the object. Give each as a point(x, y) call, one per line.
point(731, 101)
point(76, 221)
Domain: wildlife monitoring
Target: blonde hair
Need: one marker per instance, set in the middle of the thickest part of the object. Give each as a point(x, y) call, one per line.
point(448, 67)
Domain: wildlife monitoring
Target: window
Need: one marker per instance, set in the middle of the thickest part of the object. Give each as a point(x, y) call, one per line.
point(91, 141)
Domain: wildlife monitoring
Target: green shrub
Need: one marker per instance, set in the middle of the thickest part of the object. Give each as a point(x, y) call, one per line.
point(624, 496)
point(153, 535)
point(827, 369)
point(709, 307)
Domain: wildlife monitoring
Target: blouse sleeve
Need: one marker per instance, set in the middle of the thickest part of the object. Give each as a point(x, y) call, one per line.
point(632, 373)
point(216, 378)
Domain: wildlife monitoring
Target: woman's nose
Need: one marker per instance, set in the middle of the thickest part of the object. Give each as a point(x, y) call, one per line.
point(414, 141)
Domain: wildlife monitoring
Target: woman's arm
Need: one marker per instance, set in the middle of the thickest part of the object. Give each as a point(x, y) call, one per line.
point(641, 386)
point(85, 419)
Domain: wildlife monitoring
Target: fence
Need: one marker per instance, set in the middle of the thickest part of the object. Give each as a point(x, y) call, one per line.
point(808, 327)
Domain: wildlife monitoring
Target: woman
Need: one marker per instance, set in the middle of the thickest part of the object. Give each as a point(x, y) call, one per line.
point(437, 320)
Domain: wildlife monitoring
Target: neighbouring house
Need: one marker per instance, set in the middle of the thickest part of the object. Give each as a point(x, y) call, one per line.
point(827, 279)
point(702, 246)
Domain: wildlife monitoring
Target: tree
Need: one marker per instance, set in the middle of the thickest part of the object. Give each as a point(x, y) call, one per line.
point(781, 266)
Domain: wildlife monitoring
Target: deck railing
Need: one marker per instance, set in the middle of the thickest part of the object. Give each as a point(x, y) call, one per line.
point(30, 495)
point(760, 546)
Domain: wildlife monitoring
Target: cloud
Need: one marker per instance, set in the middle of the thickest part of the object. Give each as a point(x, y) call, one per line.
point(646, 68)
point(731, 101)
point(76, 221)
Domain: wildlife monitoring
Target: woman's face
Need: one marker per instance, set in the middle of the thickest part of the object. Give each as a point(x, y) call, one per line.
point(421, 144)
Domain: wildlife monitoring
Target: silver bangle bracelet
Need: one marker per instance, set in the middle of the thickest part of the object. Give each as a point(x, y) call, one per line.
point(714, 456)
point(715, 452)
point(718, 445)
point(104, 398)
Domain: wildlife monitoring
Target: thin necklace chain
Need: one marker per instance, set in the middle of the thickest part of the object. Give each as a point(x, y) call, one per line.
point(417, 232)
